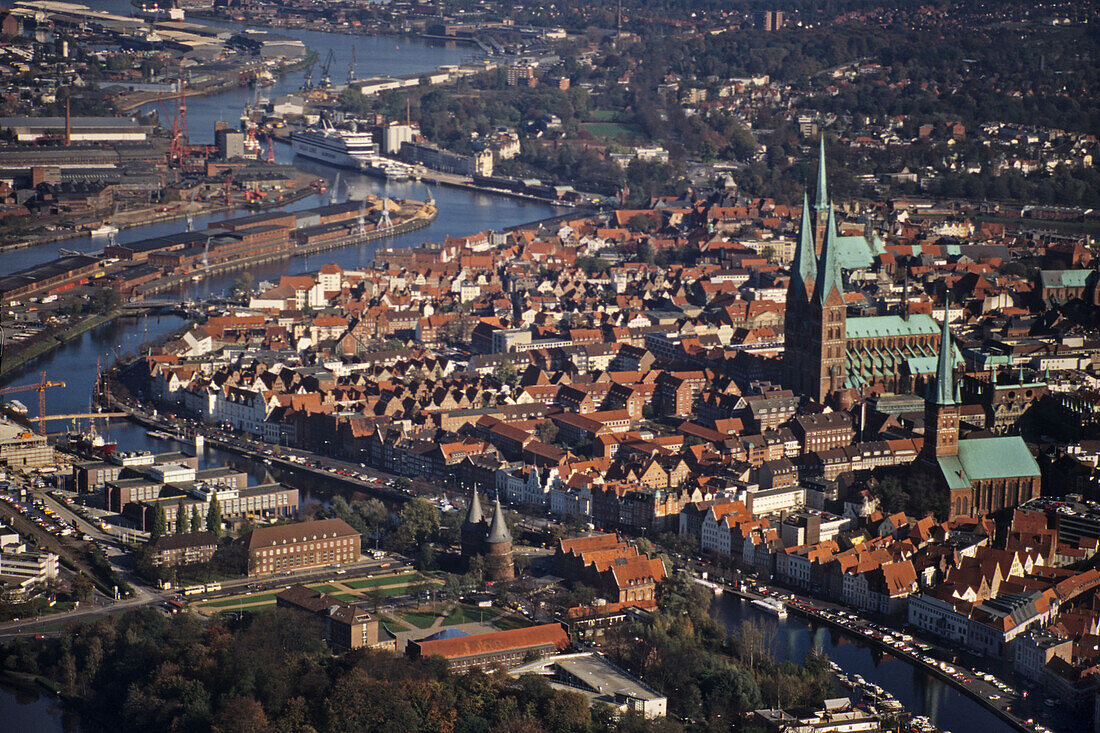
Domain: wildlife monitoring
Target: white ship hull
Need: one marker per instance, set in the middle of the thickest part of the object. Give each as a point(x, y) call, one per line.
point(772, 607)
point(345, 151)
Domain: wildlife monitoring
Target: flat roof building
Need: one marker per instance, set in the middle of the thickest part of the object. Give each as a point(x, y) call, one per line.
point(19, 447)
point(594, 676)
point(81, 129)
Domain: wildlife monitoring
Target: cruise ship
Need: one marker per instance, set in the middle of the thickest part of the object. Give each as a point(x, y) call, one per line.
point(344, 148)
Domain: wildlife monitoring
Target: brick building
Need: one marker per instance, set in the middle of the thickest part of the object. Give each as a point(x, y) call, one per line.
point(301, 546)
point(505, 649)
point(184, 549)
point(347, 627)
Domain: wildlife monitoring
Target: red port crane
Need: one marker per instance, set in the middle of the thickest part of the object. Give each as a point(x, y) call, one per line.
point(39, 387)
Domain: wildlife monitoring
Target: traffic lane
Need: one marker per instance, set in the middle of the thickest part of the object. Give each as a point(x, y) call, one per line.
point(352, 571)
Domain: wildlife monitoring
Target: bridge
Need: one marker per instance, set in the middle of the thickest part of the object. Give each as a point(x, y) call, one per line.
point(153, 303)
point(84, 416)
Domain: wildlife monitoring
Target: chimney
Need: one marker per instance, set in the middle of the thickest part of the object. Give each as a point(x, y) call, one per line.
point(68, 125)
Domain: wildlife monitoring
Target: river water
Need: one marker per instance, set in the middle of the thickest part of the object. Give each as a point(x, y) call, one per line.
point(460, 212)
point(920, 692)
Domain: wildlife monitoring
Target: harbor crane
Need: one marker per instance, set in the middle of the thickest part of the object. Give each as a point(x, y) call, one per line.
point(41, 388)
point(326, 78)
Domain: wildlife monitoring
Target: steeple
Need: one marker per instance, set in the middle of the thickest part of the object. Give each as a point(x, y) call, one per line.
point(822, 191)
point(498, 530)
point(828, 270)
point(944, 393)
point(804, 267)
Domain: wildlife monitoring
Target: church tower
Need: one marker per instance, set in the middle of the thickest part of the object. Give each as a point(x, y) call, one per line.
point(796, 331)
point(941, 403)
point(828, 316)
point(815, 338)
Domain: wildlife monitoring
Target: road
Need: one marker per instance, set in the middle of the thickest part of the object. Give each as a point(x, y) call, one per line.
point(102, 607)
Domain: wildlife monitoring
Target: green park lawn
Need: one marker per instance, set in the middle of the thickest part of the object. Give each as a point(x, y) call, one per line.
point(418, 619)
point(384, 580)
point(611, 129)
point(241, 601)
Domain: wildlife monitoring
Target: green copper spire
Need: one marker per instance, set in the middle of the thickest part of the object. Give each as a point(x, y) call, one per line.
point(944, 393)
point(829, 277)
point(822, 189)
point(804, 267)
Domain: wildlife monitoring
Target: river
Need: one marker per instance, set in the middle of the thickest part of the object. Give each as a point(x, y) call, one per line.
point(460, 212)
point(920, 692)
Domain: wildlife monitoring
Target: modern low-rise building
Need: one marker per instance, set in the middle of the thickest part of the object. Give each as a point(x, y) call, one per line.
point(20, 448)
point(595, 677)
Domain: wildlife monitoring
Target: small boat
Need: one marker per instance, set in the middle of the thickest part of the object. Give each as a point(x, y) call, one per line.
point(771, 606)
point(104, 231)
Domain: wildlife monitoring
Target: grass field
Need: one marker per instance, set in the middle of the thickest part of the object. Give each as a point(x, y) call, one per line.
point(506, 623)
point(385, 580)
point(463, 614)
point(326, 588)
point(417, 619)
point(602, 115)
point(611, 129)
point(395, 626)
point(347, 597)
point(243, 601)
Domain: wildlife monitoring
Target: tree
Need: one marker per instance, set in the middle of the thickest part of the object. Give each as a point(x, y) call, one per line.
point(644, 223)
point(547, 431)
point(160, 523)
point(505, 373)
point(181, 518)
point(419, 522)
point(196, 519)
point(104, 300)
point(214, 516)
point(242, 285)
point(82, 587)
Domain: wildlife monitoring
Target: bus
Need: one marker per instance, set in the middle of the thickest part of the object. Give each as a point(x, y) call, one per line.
point(211, 587)
point(193, 590)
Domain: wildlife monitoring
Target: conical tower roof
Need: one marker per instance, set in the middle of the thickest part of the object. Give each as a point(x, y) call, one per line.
point(944, 392)
point(822, 189)
point(804, 267)
point(829, 277)
point(474, 515)
point(498, 530)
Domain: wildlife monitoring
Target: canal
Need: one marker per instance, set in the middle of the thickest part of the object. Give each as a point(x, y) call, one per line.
point(920, 692)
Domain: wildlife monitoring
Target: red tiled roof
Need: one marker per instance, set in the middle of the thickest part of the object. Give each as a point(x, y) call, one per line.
point(498, 641)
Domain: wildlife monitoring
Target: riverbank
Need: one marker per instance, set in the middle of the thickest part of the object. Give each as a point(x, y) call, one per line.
point(130, 101)
point(419, 220)
point(46, 342)
point(827, 614)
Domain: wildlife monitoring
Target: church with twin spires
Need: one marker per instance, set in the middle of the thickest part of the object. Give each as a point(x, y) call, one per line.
point(835, 357)
point(828, 354)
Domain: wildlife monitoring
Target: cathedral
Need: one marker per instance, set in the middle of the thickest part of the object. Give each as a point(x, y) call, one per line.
point(828, 354)
point(488, 538)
